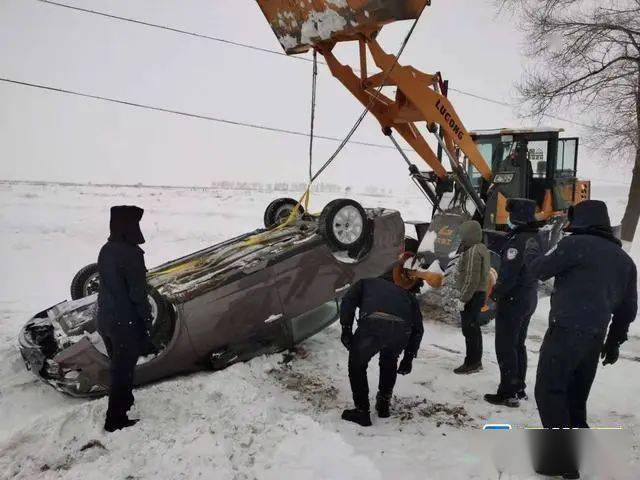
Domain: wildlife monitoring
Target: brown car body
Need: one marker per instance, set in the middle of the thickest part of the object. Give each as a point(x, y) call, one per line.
point(226, 303)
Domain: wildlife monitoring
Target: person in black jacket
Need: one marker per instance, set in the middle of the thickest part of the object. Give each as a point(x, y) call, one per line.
point(124, 313)
point(516, 296)
point(594, 280)
point(390, 321)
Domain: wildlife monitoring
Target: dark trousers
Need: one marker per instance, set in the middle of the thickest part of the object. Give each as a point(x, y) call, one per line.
point(123, 349)
point(373, 336)
point(470, 319)
point(566, 369)
point(512, 323)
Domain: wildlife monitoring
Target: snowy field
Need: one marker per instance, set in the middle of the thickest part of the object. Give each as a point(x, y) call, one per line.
point(276, 417)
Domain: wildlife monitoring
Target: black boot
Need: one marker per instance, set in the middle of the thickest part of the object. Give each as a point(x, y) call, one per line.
point(505, 400)
point(466, 369)
point(522, 395)
point(113, 425)
point(361, 417)
point(382, 405)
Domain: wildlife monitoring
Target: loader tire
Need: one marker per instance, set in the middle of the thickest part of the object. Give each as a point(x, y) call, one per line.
point(86, 282)
point(344, 225)
point(279, 210)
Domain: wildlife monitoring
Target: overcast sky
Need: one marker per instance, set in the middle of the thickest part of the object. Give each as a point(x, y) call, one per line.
point(52, 136)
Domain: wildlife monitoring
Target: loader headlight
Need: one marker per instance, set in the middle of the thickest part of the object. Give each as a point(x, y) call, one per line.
point(503, 178)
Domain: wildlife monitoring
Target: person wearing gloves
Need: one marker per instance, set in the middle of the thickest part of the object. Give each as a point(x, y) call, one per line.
point(124, 313)
point(389, 323)
point(595, 288)
point(471, 283)
point(516, 297)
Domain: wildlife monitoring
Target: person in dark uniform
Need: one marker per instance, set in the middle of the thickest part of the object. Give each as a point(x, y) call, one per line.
point(124, 313)
point(390, 321)
point(516, 297)
point(595, 285)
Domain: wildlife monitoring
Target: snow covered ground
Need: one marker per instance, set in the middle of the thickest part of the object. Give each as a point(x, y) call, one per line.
point(275, 417)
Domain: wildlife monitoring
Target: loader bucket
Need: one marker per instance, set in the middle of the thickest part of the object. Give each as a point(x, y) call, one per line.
point(441, 242)
point(300, 24)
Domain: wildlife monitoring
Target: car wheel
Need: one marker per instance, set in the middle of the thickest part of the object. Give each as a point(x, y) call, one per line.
point(86, 282)
point(279, 211)
point(344, 224)
point(163, 324)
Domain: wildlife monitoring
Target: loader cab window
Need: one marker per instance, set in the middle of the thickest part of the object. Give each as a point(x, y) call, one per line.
point(487, 150)
point(567, 158)
point(537, 153)
point(537, 162)
point(475, 176)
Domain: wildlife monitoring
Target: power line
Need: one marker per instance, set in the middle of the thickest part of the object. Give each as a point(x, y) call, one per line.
point(170, 29)
point(190, 115)
point(281, 54)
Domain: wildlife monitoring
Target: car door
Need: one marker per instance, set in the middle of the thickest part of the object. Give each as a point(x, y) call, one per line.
point(244, 311)
point(309, 278)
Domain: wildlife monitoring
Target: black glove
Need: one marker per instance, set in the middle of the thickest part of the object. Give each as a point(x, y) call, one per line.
point(406, 365)
point(347, 337)
point(610, 352)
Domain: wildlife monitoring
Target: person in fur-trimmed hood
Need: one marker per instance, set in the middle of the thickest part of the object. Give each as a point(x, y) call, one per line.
point(472, 279)
point(595, 289)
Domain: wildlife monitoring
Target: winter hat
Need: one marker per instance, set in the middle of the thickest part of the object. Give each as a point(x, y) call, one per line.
point(522, 211)
point(470, 233)
point(590, 214)
point(125, 224)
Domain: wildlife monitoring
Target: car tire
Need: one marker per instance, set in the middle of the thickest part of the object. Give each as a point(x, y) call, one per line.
point(163, 323)
point(279, 210)
point(85, 282)
point(163, 326)
point(344, 225)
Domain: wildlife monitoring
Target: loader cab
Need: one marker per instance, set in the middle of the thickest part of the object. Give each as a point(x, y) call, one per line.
point(528, 163)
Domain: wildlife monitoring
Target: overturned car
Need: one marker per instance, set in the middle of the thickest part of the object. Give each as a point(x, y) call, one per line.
point(258, 293)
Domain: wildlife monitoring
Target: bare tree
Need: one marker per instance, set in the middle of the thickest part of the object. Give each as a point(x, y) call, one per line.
point(586, 55)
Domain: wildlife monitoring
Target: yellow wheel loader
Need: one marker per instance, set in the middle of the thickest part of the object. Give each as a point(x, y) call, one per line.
point(485, 168)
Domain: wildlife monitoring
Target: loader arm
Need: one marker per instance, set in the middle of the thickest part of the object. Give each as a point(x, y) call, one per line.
point(386, 110)
point(321, 24)
point(432, 105)
point(418, 99)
